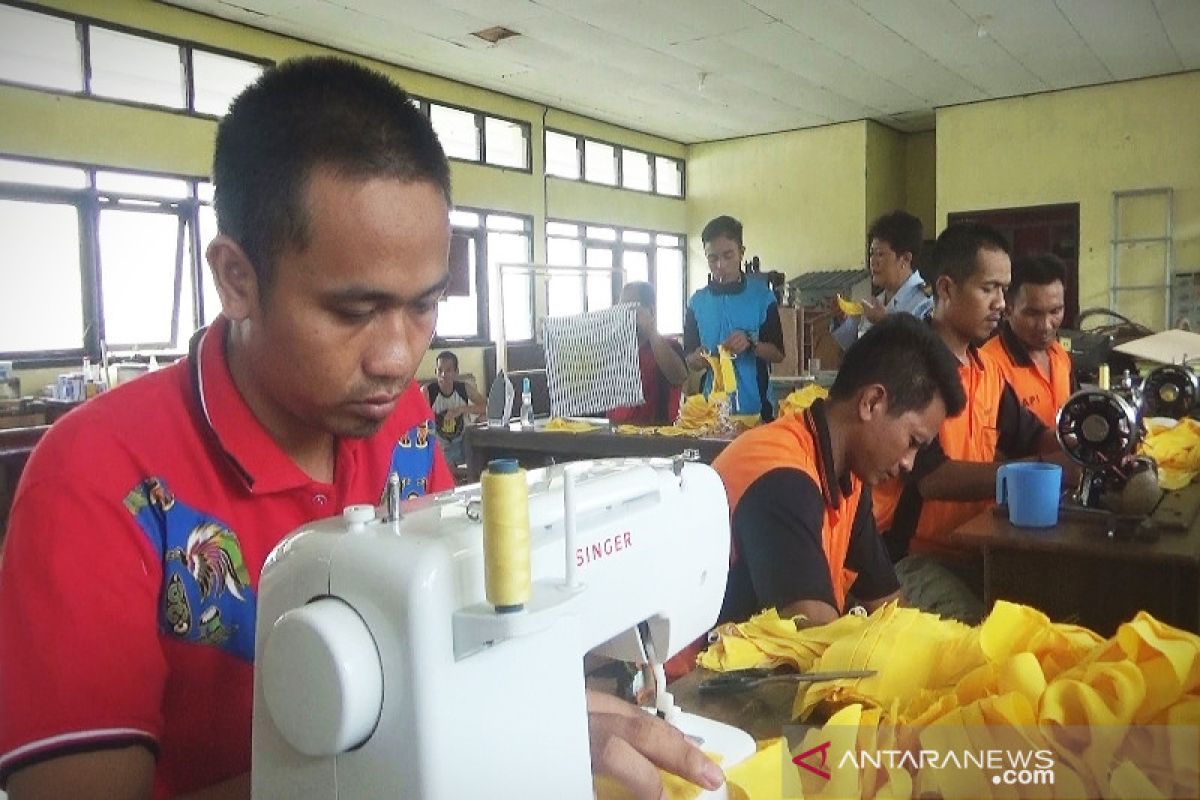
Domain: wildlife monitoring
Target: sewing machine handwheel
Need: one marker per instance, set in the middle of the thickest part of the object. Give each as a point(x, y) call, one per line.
point(322, 644)
point(1096, 428)
point(1170, 391)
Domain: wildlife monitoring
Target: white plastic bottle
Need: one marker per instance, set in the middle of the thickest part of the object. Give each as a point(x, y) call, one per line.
point(526, 406)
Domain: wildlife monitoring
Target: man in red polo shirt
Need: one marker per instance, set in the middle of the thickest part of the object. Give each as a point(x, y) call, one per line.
point(799, 487)
point(140, 527)
point(1026, 345)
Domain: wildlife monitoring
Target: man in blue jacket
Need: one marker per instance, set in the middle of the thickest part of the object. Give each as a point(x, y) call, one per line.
point(738, 313)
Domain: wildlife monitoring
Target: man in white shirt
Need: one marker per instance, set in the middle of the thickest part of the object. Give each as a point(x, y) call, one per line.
point(895, 241)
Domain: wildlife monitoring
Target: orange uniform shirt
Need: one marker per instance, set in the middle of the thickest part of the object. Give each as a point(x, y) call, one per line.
point(992, 424)
point(1042, 394)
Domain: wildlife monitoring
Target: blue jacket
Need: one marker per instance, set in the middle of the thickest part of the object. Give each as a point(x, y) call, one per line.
point(719, 315)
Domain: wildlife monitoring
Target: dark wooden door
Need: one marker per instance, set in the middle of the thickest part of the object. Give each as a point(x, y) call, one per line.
point(1038, 229)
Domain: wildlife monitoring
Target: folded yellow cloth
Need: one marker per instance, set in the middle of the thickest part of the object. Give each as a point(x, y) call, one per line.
point(1016, 681)
point(759, 777)
point(802, 399)
point(724, 376)
point(1176, 448)
point(560, 425)
point(851, 308)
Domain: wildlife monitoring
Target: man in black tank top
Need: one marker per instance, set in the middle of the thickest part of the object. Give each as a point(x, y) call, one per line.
point(451, 400)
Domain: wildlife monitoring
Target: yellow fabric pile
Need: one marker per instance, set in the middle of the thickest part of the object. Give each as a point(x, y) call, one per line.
point(802, 399)
point(698, 416)
point(759, 777)
point(1103, 709)
point(1176, 448)
point(560, 425)
point(851, 308)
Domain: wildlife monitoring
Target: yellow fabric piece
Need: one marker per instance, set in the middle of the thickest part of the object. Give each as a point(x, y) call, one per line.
point(724, 375)
point(1176, 448)
point(560, 425)
point(1017, 681)
point(802, 399)
point(851, 308)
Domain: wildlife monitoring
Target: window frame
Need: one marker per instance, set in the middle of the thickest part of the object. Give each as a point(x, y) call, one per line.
point(618, 246)
point(619, 156)
point(83, 25)
point(423, 105)
point(89, 201)
point(479, 236)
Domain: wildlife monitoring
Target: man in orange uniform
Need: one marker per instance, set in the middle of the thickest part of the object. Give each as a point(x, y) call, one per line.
point(1026, 346)
point(799, 488)
point(955, 477)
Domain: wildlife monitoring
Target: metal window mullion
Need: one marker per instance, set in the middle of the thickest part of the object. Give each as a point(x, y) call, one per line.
point(189, 78)
point(481, 132)
point(196, 263)
point(83, 32)
point(91, 284)
point(180, 238)
point(480, 235)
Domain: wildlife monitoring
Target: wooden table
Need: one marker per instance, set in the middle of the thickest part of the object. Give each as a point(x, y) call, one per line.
point(1076, 571)
point(540, 447)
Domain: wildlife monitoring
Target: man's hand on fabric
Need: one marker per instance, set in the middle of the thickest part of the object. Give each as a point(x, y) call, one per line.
point(631, 746)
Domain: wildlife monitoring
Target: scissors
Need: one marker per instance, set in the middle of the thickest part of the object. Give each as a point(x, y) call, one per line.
point(744, 679)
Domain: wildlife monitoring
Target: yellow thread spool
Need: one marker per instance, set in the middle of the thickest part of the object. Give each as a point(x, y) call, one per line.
point(1103, 377)
point(506, 550)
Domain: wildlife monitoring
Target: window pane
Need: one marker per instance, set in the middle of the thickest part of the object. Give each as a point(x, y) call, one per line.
point(564, 252)
point(135, 68)
point(668, 176)
point(142, 185)
point(599, 162)
point(456, 130)
point(208, 231)
point(562, 155)
point(500, 222)
point(513, 248)
point(636, 264)
point(635, 170)
point(506, 143)
point(603, 234)
point(564, 294)
point(218, 79)
point(635, 237)
point(668, 240)
point(464, 219)
point(43, 309)
point(204, 191)
point(186, 325)
point(599, 284)
point(459, 316)
point(14, 171)
point(668, 267)
point(39, 50)
point(137, 275)
point(561, 229)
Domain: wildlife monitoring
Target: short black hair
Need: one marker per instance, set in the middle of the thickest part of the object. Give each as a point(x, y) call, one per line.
point(449, 356)
point(901, 230)
point(723, 225)
point(1038, 270)
point(955, 253)
point(643, 292)
point(910, 361)
point(302, 115)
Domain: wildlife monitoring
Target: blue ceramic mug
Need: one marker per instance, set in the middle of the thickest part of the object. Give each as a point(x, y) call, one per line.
point(1031, 491)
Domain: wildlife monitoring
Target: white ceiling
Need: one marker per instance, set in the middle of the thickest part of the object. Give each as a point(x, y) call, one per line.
point(700, 70)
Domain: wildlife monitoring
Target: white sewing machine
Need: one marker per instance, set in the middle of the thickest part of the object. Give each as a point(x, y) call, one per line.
point(382, 672)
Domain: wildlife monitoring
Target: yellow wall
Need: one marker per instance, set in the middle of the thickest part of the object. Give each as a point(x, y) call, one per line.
point(920, 165)
point(886, 174)
point(799, 194)
point(1079, 146)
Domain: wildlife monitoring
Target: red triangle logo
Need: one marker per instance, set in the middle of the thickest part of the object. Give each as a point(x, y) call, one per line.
point(803, 760)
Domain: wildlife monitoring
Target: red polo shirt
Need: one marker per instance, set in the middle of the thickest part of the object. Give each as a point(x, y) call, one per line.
point(129, 584)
